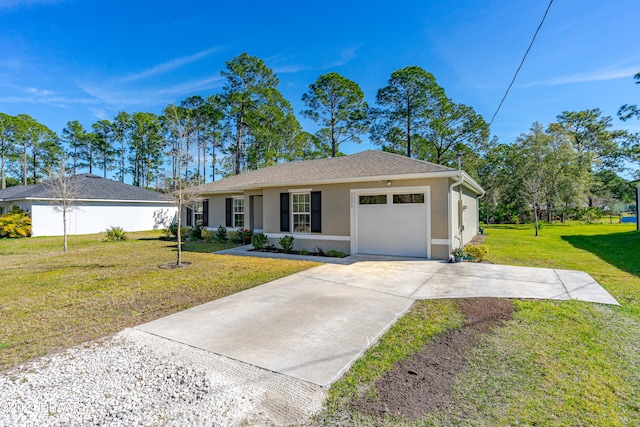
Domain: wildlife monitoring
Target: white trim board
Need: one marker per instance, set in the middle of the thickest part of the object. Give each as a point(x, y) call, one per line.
point(45, 200)
point(440, 242)
point(307, 236)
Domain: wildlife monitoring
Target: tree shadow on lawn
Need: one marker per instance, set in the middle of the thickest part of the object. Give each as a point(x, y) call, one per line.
point(188, 246)
point(505, 226)
point(202, 247)
point(618, 249)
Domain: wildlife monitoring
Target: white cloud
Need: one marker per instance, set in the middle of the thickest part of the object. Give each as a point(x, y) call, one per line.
point(282, 64)
point(120, 98)
point(34, 92)
point(38, 92)
point(60, 101)
point(193, 86)
point(591, 76)
point(102, 94)
point(284, 69)
point(345, 56)
point(15, 4)
point(170, 65)
point(100, 113)
point(11, 63)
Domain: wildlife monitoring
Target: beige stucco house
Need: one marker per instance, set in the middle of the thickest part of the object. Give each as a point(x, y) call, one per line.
point(371, 202)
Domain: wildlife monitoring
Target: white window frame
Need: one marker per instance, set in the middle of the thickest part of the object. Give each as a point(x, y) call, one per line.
point(300, 213)
point(198, 209)
point(234, 212)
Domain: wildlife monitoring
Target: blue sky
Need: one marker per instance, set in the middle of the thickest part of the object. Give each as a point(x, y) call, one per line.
point(86, 60)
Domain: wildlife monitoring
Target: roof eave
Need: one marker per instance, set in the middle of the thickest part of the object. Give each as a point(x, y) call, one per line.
point(49, 199)
point(472, 184)
point(419, 175)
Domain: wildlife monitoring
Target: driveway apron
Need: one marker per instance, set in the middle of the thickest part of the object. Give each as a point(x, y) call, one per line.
point(299, 326)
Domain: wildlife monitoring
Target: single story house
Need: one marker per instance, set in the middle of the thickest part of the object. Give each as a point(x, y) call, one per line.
point(99, 204)
point(372, 202)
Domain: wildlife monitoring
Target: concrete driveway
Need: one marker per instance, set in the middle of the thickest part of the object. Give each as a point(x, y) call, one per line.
point(314, 324)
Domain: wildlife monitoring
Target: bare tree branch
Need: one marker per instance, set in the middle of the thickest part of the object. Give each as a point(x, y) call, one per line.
point(62, 189)
point(182, 190)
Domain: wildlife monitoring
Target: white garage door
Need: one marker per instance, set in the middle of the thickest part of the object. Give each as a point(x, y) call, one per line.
point(392, 223)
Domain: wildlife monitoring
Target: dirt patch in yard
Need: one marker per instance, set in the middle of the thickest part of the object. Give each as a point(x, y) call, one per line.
point(422, 383)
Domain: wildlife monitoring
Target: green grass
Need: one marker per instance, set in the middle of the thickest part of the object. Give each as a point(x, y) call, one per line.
point(555, 363)
point(607, 252)
point(404, 338)
point(50, 300)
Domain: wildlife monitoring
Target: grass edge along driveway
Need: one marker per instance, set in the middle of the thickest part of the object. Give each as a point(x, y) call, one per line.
point(555, 363)
point(50, 300)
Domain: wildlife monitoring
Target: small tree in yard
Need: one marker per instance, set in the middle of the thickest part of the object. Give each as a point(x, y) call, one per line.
point(62, 189)
point(180, 130)
point(533, 191)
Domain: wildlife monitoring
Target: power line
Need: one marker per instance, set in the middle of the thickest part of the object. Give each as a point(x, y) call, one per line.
point(521, 62)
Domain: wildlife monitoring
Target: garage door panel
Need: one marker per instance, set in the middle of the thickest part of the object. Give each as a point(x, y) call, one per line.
point(400, 226)
point(393, 229)
point(399, 247)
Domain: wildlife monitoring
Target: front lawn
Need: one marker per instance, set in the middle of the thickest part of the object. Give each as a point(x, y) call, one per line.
point(50, 300)
point(554, 363)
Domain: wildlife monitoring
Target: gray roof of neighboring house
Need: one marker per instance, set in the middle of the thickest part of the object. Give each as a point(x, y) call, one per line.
point(372, 164)
point(87, 187)
point(9, 192)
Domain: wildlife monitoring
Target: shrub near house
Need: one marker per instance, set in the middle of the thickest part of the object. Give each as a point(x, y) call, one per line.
point(15, 224)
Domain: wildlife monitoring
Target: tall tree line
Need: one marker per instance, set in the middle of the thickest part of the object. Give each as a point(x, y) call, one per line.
point(567, 166)
point(27, 149)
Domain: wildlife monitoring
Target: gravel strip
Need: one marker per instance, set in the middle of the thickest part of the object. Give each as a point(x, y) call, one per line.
point(138, 379)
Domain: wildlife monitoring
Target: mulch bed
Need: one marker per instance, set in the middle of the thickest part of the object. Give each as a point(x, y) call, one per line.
point(478, 239)
point(422, 383)
point(274, 250)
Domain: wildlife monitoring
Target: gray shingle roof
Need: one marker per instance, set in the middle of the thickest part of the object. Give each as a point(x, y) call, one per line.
point(88, 187)
point(371, 163)
point(9, 192)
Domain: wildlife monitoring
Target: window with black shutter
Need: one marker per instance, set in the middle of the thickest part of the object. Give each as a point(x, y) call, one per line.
point(316, 212)
point(198, 213)
point(284, 212)
point(238, 213)
point(229, 212)
point(205, 212)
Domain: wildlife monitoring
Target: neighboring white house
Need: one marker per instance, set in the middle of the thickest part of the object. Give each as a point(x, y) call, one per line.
point(100, 204)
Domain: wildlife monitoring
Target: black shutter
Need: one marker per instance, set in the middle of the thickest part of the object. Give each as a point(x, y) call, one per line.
point(229, 212)
point(189, 217)
point(284, 212)
point(316, 209)
point(205, 212)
